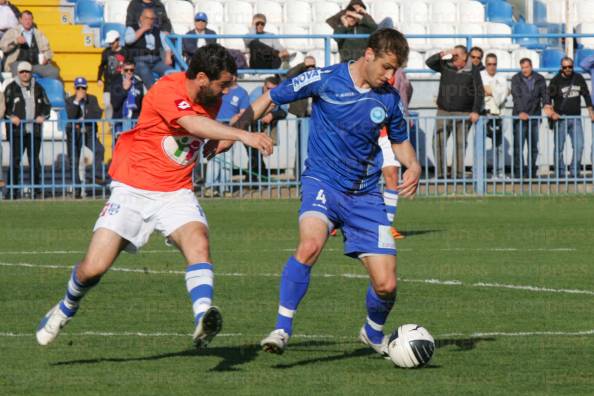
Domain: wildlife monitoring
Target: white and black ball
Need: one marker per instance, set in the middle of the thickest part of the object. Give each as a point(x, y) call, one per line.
point(410, 346)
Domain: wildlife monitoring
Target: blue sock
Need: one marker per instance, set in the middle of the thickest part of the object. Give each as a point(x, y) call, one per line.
point(199, 283)
point(378, 310)
point(391, 203)
point(294, 284)
point(74, 293)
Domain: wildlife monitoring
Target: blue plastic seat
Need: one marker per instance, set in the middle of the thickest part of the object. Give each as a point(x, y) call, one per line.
point(582, 54)
point(528, 42)
point(106, 27)
point(88, 12)
point(500, 11)
point(54, 90)
point(540, 13)
point(551, 58)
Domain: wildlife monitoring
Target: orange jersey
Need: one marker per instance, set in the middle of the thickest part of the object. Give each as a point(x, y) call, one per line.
point(158, 154)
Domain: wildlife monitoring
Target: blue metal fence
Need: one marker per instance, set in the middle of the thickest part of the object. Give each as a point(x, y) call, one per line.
point(71, 159)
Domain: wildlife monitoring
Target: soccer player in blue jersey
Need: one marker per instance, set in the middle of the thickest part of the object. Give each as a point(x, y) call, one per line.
point(351, 103)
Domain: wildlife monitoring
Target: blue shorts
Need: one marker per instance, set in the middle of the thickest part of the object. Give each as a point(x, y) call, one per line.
point(362, 218)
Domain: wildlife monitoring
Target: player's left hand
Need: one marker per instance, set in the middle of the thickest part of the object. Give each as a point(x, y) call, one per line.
point(215, 147)
point(410, 182)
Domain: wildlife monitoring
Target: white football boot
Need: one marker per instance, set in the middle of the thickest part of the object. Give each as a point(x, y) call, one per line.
point(50, 325)
point(276, 342)
point(381, 348)
point(208, 327)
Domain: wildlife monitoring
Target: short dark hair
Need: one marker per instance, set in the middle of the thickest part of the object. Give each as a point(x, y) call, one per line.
point(462, 47)
point(391, 41)
point(211, 59)
point(479, 49)
point(491, 55)
point(273, 80)
point(27, 12)
point(566, 59)
point(129, 61)
point(524, 60)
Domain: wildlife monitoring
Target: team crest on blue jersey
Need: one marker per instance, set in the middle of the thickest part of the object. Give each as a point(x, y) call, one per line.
point(305, 79)
point(377, 115)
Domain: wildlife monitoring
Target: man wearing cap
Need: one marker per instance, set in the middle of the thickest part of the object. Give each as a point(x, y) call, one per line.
point(112, 59)
point(265, 53)
point(27, 107)
point(81, 107)
point(27, 43)
point(190, 45)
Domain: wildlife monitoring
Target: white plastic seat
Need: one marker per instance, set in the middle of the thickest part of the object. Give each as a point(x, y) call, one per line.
point(299, 57)
point(322, 10)
point(587, 42)
point(521, 53)
point(234, 43)
point(298, 12)
point(415, 28)
point(416, 61)
point(504, 58)
point(498, 42)
point(473, 29)
point(415, 12)
point(470, 12)
point(180, 12)
point(584, 11)
point(556, 11)
point(180, 28)
point(301, 44)
point(319, 55)
point(444, 12)
point(442, 28)
point(322, 28)
point(272, 9)
point(381, 9)
point(214, 10)
point(114, 11)
point(239, 12)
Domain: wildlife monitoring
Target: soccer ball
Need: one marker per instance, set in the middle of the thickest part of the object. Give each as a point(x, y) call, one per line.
point(411, 345)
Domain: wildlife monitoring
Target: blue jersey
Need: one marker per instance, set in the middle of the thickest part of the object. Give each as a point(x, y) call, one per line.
point(345, 123)
point(233, 102)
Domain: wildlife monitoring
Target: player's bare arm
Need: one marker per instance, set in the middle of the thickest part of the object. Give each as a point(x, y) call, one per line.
point(410, 179)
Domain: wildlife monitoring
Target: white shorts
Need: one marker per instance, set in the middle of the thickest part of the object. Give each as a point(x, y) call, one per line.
point(134, 214)
point(387, 152)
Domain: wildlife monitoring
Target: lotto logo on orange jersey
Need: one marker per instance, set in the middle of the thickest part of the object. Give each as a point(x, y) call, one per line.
point(182, 105)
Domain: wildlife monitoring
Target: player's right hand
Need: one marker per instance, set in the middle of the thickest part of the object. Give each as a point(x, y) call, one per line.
point(260, 141)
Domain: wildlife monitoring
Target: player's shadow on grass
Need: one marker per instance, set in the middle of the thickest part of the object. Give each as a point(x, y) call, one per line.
point(413, 233)
point(463, 344)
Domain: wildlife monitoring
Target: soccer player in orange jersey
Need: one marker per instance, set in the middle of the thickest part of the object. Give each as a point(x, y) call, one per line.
point(152, 187)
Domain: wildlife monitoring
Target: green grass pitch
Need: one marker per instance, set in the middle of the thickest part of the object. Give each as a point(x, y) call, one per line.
point(505, 285)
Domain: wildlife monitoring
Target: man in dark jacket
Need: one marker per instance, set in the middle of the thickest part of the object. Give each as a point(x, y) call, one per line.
point(136, 7)
point(81, 107)
point(126, 94)
point(353, 20)
point(27, 107)
point(190, 45)
point(112, 59)
point(529, 93)
point(565, 90)
point(461, 95)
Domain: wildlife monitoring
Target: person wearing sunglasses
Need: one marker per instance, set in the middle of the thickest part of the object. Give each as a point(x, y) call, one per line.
point(126, 96)
point(565, 90)
point(112, 59)
point(266, 53)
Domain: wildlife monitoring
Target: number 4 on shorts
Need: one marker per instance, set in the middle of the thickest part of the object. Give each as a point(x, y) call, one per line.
point(321, 197)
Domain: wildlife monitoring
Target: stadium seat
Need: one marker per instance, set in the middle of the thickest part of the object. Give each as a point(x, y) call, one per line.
point(586, 28)
point(115, 11)
point(556, 11)
point(520, 53)
point(499, 42)
point(581, 54)
point(381, 9)
point(473, 29)
point(88, 12)
point(54, 90)
point(444, 28)
point(322, 28)
point(415, 12)
point(106, 27)
point(320, 57)
point(214, 10)
point(296, 44)
point(180, 12)
point(551, 58)
point(540, 12)
point(415, 61)
point(272, 9)
point(527, 29)
point(180, 28)
point(500, 11)
point(584, 11)
point(298, 12)
point(504, 58)
point(239, 12)
point(234, 43)
point(470, 12)
point(415, 28)
point(322, 10)
point(444, 12)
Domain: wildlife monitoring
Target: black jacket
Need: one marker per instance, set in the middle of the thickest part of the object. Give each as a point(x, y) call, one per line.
point(15, 103)
point(526, 101)
point(190, 45)
point(110, 66)
point(459, 90)
point(565, 94)
point(90, 110)
point(136, 7)
point(353, 49)
point(119, 95)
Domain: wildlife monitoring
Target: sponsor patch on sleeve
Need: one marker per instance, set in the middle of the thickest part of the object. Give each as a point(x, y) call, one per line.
point(305, 79)
point(183, 104)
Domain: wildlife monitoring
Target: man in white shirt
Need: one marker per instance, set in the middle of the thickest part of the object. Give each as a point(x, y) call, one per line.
point(496, 92)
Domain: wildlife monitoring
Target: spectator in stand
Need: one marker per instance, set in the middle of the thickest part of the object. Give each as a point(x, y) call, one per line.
point(267, 53)
point(126, 96)
point(302, 107)
point(529, 93)
point(145, 42)
point(26, 43)
point(112, 60)
point(352, 20)
point(81, 107)
point(565, 90)
point(9, 16)
point(496, 91)
point(190, 45)
point(476, 57)
point(27, 107)
point(137, 7)
point(461, 95)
